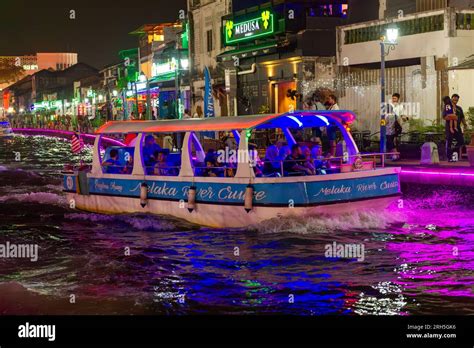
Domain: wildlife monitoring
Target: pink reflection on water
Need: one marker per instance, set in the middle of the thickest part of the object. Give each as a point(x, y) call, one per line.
point(436, 250)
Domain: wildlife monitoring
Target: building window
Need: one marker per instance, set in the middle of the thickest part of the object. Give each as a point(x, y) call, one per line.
point(209, 40)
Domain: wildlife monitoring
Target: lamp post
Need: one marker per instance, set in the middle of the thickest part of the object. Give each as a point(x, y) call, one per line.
point(387, 44)
point(143, 78)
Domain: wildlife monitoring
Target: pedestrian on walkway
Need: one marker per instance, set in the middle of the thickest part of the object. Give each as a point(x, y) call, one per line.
point(332, 129)
point(451, 131)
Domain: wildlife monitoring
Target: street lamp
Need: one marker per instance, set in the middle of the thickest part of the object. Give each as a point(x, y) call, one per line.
point(387, 44)
point(143, 78)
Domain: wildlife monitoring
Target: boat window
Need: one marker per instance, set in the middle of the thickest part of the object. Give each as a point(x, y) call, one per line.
point(118, 160)
point(160, 154)
point(214, 154)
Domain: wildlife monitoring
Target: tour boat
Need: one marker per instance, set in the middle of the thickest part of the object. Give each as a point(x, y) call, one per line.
point(5, 129)
point(353, 182)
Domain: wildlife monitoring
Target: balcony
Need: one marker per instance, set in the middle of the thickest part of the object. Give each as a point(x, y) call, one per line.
point(407, 27)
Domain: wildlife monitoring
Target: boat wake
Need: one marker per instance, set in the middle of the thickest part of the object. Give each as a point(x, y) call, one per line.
point(147, 223)
point(35, 197)
point(367, 220)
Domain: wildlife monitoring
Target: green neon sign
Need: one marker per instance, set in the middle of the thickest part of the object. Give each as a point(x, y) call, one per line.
point(250, 29)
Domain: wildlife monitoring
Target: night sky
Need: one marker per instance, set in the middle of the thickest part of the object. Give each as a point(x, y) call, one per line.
point(99, 31)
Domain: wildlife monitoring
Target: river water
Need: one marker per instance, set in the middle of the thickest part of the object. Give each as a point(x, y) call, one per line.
point(419, 255)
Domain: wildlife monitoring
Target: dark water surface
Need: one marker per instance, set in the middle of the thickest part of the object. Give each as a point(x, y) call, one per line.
point(418, 259)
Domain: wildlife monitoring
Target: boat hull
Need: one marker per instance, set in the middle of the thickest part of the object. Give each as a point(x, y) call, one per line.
point(220, 203)
point(220, 216)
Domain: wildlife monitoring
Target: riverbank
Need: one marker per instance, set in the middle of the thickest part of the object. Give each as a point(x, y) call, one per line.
point(455, 174)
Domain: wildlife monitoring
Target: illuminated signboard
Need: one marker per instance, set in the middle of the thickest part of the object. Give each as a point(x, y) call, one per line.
point(169, 68)
point(250, 29)
point(30, 67)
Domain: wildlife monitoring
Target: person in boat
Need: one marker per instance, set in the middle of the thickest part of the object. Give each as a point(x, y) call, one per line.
point(309, 160)
point(148, 152)
point(128, 165)
point(255, 161)
point(112, 165)
point(319, 162)
point(212, 168)
point(295, 162)
point(211, 165)
point(160, 167)
point(284, 152)
point(271, 166)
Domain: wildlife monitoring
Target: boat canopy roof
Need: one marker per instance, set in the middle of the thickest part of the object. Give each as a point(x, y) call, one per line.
point(296, 119)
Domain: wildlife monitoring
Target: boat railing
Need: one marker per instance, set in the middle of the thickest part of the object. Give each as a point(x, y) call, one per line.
point(375, 157)
point(226, 171)
point(329, 165)
point(163, 170)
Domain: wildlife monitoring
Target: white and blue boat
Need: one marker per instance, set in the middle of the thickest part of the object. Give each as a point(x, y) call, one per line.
point(5, 129)
point(242, 198)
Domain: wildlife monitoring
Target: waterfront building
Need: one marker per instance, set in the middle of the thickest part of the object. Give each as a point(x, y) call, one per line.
point(279, 54)
point(432, 59)
point(31, 64)
point(26, 65)
point(162, 83)
point(48, 92)
point(205, 45)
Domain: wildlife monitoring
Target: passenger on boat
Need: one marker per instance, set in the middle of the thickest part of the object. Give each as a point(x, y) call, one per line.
point(255, 161)
point(160, 167)
point(272, 166)
point(309, 160)
point(285, 151)
point(148, 153)
point(319, 163)
point(212, 168)
point(128, 165)
point(295, 163)
point(112, 165)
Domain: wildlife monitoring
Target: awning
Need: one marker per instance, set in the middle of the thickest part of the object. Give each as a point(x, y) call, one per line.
point(297, 119)
point(249, 51)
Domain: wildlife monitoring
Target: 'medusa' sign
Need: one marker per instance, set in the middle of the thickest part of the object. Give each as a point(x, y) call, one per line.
point(258, 26)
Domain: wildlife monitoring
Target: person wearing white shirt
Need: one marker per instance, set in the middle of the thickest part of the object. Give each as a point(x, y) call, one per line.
point(331, 130)
point(395, 118)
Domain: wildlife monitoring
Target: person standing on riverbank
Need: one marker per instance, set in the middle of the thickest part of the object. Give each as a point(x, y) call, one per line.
point(450, 116)
point(331, 130)
point(461, 125)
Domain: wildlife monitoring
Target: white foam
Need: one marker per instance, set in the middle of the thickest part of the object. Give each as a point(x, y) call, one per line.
point(321, 224)
point(35, 197)
point(139, 223)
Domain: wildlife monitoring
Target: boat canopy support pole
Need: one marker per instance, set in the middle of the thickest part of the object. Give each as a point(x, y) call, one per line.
point(186, 160)
point(244, 170)
point(200, 154)
point(289, 137)
point(351, 146)
point(137, 156)
point(96, 161)
point(236, 136)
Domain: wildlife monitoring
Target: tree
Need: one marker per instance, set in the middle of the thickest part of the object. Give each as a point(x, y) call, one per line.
point(9, 73)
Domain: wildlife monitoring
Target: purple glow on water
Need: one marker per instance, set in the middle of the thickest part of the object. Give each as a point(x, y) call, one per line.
point(422, 172)
point(58, 132)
